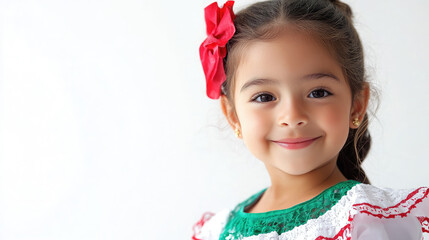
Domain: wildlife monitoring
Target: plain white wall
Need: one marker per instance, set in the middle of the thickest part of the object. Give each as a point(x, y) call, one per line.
point(106, 131)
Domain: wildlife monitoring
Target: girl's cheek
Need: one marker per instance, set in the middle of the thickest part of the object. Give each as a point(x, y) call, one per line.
point(252, 120)
point(336, 116)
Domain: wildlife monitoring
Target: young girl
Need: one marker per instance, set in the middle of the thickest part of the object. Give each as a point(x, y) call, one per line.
point(291, 82)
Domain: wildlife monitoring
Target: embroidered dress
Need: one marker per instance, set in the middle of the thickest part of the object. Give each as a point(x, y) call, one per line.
point(347, 210)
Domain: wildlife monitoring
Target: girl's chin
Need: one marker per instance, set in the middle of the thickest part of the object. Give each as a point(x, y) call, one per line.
point(298, 169)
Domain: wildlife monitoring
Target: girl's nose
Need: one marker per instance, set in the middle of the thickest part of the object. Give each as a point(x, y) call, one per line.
point(292, 115)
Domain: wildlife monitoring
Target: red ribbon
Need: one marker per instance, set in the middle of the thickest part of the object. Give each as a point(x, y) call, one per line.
point(220, 29)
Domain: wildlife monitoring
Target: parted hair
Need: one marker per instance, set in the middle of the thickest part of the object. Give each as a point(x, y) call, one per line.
point(330, 21)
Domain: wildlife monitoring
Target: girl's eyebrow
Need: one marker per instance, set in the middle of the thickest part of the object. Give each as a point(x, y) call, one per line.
point(259, 81)
point(263, 81)
point(320, 75)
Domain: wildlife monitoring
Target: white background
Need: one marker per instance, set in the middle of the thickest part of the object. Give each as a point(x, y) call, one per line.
point(106, 131)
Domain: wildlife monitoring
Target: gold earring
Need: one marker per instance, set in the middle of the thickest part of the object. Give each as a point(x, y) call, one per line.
point(356, 122)
point(237, 132)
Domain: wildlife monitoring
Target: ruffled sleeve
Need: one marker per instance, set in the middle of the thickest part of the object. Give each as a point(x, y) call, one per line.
point(407, 219)
point(368, 227)
point(211, 225)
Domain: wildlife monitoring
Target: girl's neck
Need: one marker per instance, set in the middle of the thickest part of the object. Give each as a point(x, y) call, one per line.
point(288, 190)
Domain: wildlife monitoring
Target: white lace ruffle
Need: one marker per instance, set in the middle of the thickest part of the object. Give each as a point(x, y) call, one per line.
point(212, 229)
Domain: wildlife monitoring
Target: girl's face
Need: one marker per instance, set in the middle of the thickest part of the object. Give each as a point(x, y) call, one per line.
point(293, 105)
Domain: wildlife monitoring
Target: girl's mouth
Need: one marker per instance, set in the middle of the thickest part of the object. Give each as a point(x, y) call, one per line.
point(296, 143)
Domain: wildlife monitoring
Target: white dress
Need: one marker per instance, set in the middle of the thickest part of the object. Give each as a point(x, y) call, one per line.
point(347, 210)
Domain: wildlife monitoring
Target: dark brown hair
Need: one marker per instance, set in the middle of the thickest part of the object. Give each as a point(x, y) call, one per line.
point(329, 21)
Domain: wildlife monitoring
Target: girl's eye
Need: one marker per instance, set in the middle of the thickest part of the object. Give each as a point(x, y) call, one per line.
point(319, 93)
point(264, 98)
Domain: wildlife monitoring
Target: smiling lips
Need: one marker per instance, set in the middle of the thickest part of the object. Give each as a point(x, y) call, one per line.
point(295, 143)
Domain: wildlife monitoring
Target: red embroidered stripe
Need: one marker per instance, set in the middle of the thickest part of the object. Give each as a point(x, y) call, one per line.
point(343, 234)
point(409, 203)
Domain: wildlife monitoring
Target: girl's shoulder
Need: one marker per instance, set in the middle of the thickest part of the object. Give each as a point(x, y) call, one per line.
point(361, 210)
point(371, 212)
point(386, 213)
point(211, 225)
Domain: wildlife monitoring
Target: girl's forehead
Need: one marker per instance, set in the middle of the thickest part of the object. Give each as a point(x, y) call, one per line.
point(290, 54)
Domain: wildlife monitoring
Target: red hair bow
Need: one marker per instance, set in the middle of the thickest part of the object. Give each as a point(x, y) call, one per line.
point(220, 29)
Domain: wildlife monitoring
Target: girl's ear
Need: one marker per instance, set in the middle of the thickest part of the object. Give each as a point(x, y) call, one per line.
point(229, 113)
point(360, 104)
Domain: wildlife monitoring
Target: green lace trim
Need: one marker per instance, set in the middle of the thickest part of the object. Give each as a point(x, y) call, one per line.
point(241, 224)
